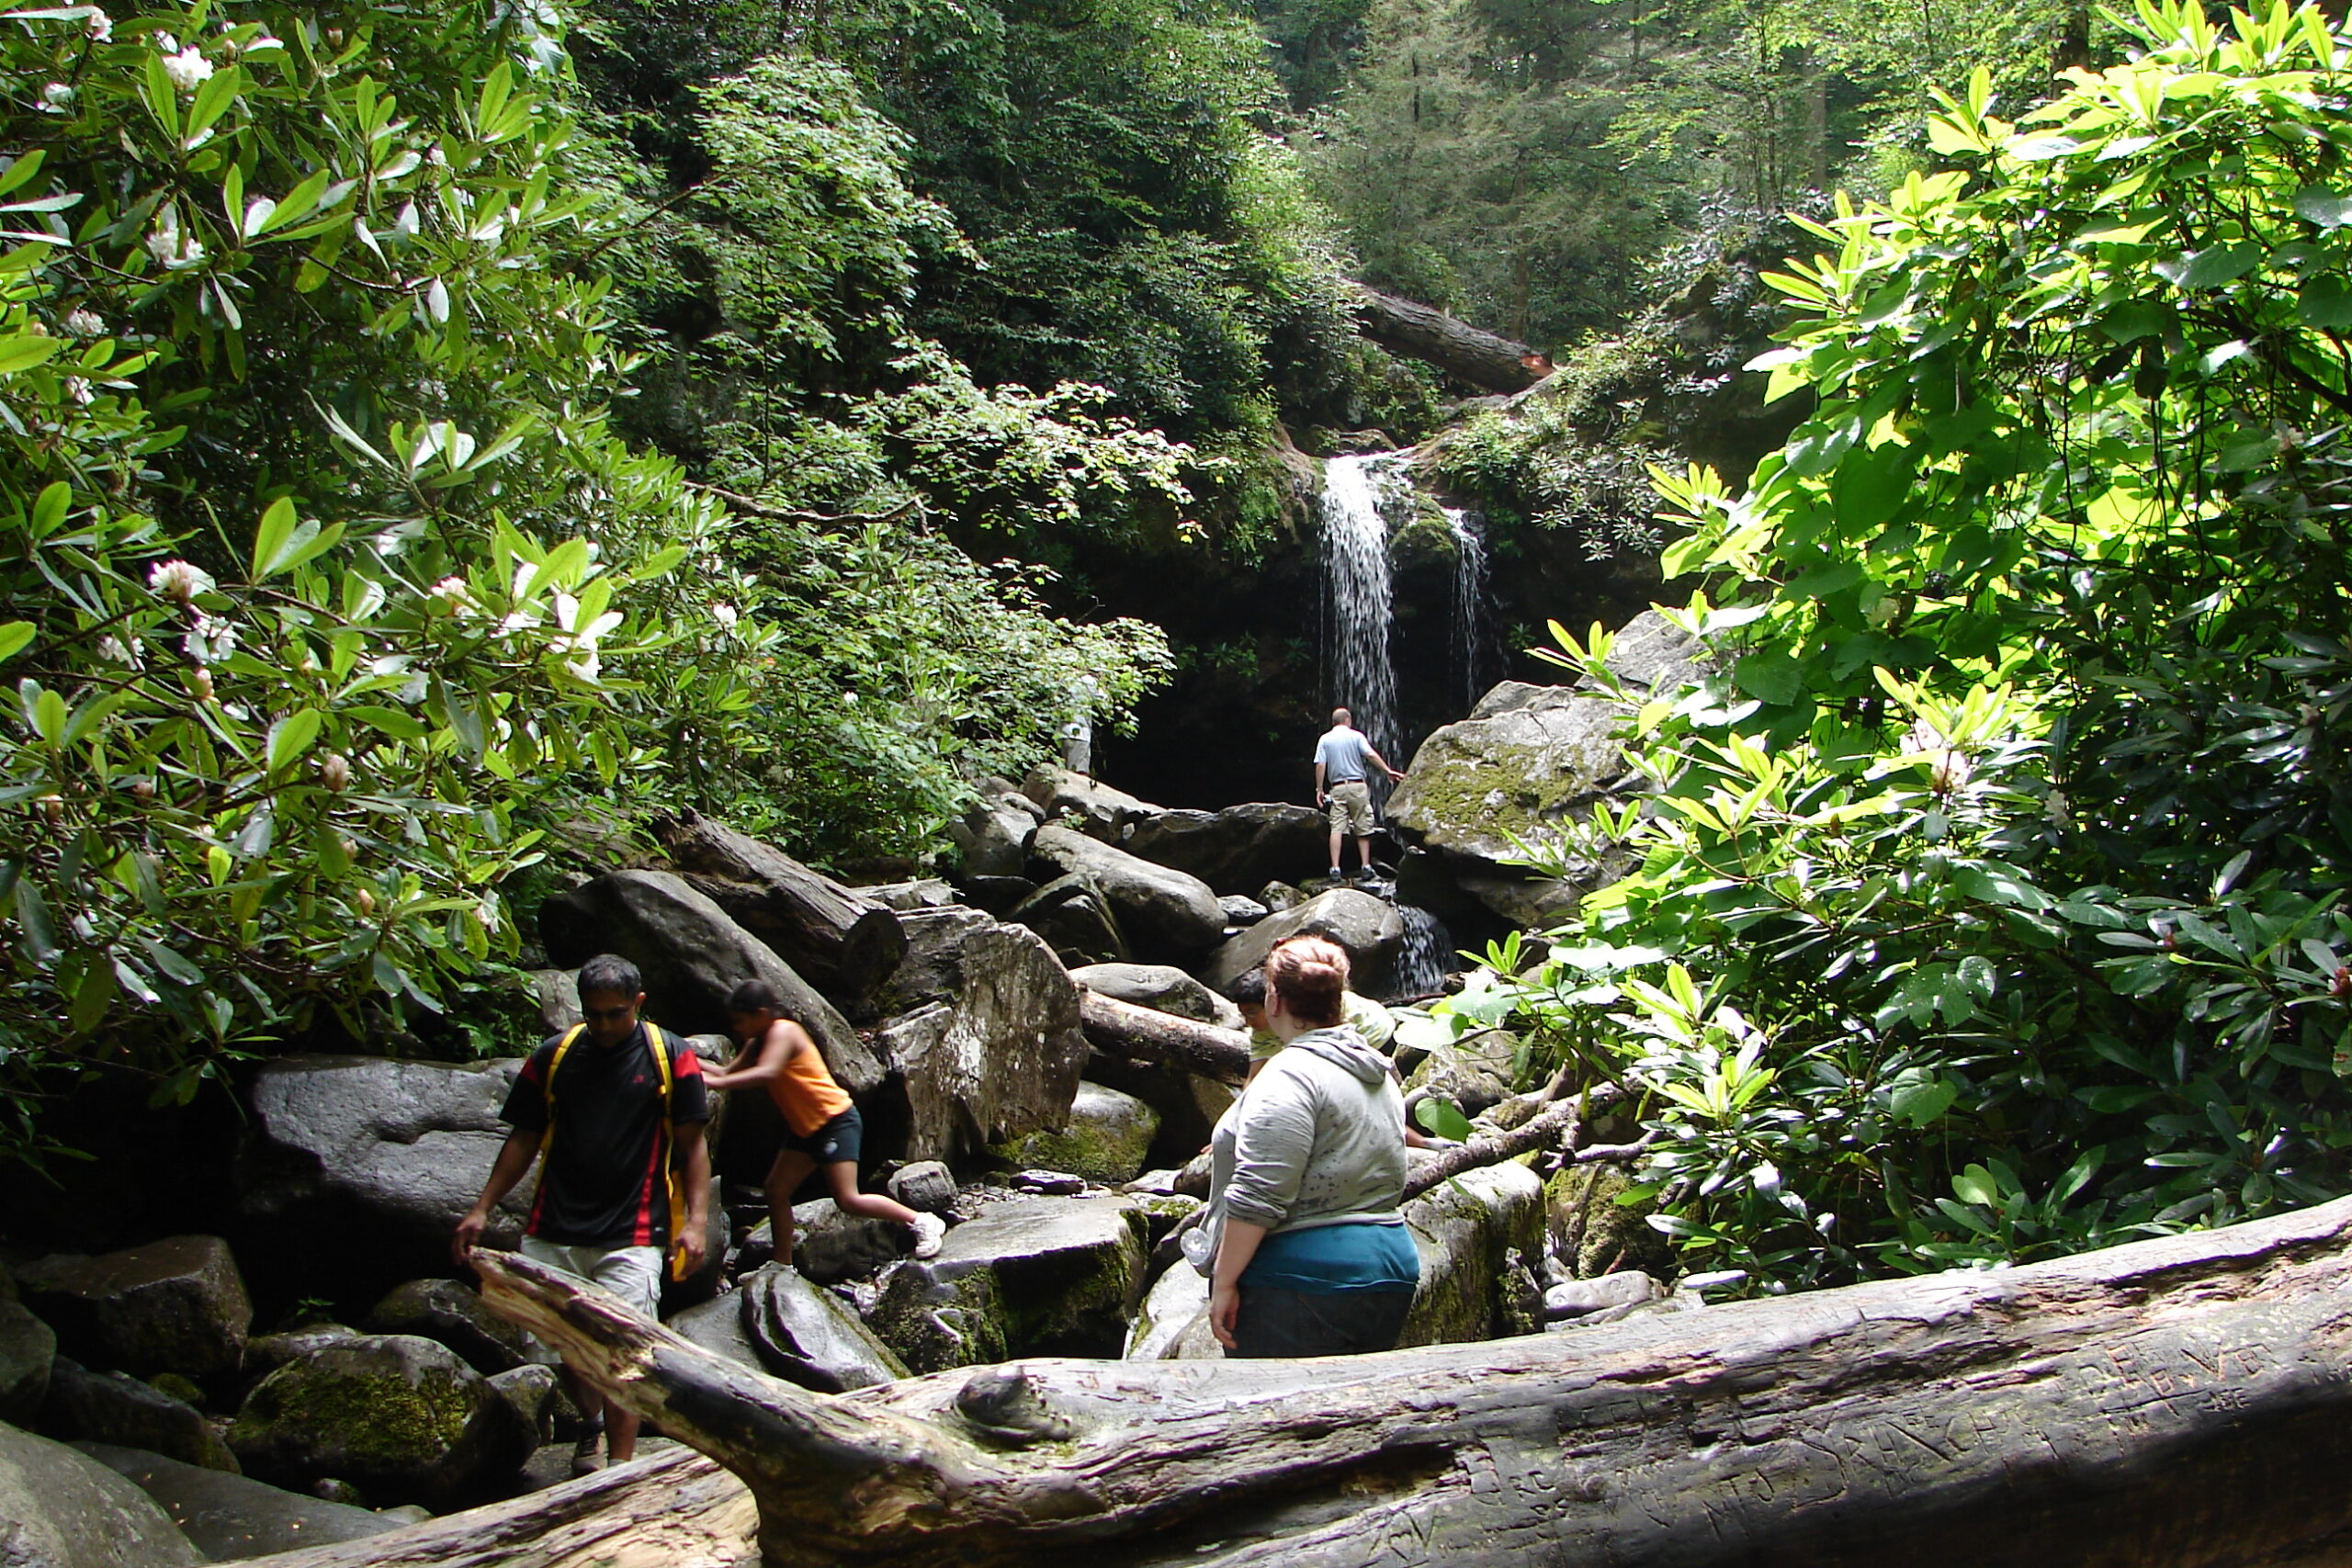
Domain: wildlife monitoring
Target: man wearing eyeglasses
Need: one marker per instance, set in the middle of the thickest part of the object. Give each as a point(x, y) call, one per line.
point(620, 1115)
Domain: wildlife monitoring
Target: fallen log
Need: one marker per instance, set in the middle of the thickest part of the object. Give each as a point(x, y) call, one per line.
point(2180, 1403)
point(1461, 351)
point(839, 941)
point(1142, 1034)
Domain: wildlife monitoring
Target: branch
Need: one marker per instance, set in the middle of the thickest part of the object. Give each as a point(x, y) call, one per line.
point(1559, 1124)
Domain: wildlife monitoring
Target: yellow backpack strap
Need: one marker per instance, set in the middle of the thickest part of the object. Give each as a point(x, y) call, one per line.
point(547, 1087)
point(661, 1045)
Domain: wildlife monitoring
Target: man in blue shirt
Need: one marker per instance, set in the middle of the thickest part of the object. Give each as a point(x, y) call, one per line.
point(1342, 787)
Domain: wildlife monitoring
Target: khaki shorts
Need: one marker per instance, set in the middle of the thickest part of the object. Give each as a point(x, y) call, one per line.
point(632, 1273)
point(1349, 806)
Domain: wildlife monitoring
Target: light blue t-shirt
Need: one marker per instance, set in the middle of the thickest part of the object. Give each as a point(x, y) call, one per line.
point(1342, 753)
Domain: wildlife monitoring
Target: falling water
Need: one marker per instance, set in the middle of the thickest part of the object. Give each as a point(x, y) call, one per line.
point(1426, 957)
point(1469, 602)
point(1357, 593)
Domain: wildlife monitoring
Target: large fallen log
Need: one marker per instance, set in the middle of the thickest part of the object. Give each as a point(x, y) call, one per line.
point(1461, 351)
point(1143, 1034)
point(841, 942)
point(2181, 1403)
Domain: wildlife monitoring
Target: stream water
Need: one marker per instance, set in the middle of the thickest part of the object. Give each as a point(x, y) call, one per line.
point(1469, 619)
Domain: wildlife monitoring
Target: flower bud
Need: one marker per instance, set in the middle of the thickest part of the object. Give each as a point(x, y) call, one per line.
point(366, 902)
point(142, 790)
point(334, 771)
point(52, 807)
point(199, 681)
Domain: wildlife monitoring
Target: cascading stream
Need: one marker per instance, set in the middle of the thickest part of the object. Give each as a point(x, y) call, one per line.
point(1469, 620)
point(1425, 958)
point(1357, 594)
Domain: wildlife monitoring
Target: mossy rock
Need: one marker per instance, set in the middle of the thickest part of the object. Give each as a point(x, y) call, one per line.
point(1043, 1277)
point(1520, 771)
point(1480, 1235)
point(1596, 1234)
point(1107, 1138)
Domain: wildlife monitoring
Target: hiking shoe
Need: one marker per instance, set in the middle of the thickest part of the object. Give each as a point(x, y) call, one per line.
point(1337, 875)
point(929, 1230)
point(585, 1458)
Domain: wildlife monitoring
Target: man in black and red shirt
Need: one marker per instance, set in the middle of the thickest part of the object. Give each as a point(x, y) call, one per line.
point(620, 1121)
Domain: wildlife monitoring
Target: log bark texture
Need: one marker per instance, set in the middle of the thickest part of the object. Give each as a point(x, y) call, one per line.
point(841, 942)
point(1147, 1034)
point(2182, 1402)
point(1461, 351)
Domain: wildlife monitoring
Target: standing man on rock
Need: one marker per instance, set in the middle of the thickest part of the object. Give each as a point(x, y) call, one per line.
point(1344, 789)
point(618, 1107)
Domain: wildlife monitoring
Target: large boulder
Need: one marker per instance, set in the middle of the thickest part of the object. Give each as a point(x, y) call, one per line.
point(1105, 1140)
point(829, 1245)
point(1187, 1104)
point(842, 941)
point(932, 969)
point(1003, 1061)
point(1369, 929)
point(807, 1335)
point(449, 1312)
point(717, 1326)
point(402, 1419)
point(230, 1518)
point(1173, 1325)
point(1474, 1073)
point(1164, 913)
point(1035, 1277)
point(1074, 915)
point(63, 1509)
point(1653, 654)
point(1103, 812)
point(356, 1168)
point(693, 954)
point(175, 1305)
point(27, 1345)
point(1162, 988)
point(1533, 757)
point(115, 1407)
point(1481, 1237)
point(993, 835)
point(1239, 849)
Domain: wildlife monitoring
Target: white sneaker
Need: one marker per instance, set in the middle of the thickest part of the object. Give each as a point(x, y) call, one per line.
point(929, 1230)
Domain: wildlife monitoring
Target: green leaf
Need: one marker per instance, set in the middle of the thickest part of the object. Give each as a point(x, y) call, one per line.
point(1441, 1118)
point(92, 997)
point(24, 351)
point(14, 637)
point(1919, 1097)
point(2325, 302)
point(1771, 676)
point(1975, 1185)
point(2211, 267)
point(2323, 207)
point(292, 736)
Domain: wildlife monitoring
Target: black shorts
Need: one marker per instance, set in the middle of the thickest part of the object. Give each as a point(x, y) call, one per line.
point(833, 1142)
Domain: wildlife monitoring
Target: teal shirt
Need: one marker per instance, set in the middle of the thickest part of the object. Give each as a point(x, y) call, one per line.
point(1357, 1255)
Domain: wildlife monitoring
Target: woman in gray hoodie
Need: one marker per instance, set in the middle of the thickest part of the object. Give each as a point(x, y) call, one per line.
point(1307, 1172)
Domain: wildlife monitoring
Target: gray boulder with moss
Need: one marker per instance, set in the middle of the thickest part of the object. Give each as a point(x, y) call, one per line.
point(230, 1516)
point(27, 1348)
point(115, 1407)
point(1370, 930)
point(63, 1509)
point(1473, 1073)
point(449, 1312)
point(1593, 1233)
point(1003, 1061)
point(1162, 988)
point(1101, 811)
point(1481, 1239)
point(175, 1305)
point(1106, 1139)
point(404, 1419)
point(807, 1335)
point(1036, 1277)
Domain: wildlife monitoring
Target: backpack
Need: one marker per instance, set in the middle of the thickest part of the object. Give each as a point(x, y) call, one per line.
point(660, 1045)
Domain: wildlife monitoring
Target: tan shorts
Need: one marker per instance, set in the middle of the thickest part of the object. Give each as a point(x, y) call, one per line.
point(632, 1273)
point(1349, 807)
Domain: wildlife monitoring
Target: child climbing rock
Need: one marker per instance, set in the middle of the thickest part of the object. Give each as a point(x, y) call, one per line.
point(821, 1126)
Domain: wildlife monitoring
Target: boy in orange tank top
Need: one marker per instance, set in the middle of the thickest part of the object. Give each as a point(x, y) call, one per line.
point(821, 1125)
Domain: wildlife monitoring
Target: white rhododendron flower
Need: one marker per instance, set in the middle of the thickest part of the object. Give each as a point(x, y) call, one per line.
point(97, 23)
point(454, 592)
point(172, 246)
point(85, 323)
point(114, 650)
point(187, 68)
point(179, 580)
point(723, 614)
point(210, 640)
point(57, 95)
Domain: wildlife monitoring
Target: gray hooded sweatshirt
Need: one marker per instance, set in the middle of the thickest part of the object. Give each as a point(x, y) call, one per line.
point(1319, 1139)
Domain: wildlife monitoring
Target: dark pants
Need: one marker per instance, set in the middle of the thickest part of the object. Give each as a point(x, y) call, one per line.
point(1317, 1322)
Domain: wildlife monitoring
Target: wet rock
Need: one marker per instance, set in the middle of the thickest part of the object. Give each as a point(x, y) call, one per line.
point(1103, 812)
point(558, 994)
point(1241, 909)
point(1475, 1072)
point(932, 970)
point(829, 1245)
point(63, 1509)
point(115, 1407)
point(1074, 915)
point(1166, 914)
point(1279, 897)
point(1162, 988)
point(1581, 1298)
point(27, 1348)
point(1239, 849)
point(358, 1168)
point(1106, 1139)
point(1593, 1233)
point(530, 1392)
point(807, 1336)
point(228, 1516)
point(927, 1187)
point(451, 1313)
point(1480, 1235)
point(1654, 654)
point(402, 1418)
point(693, 954)
point(1368, 928)
point(1036, 1277)
point(175, 1305)
point(1003, 1061)
point(1173, 1322)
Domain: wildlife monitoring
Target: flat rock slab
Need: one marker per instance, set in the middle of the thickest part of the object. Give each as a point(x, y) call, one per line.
point(1239, 849)
point(63, 1509)
point(175, 1305)
point(805, 1335)
point(227, 1516)
point(1034, 1277)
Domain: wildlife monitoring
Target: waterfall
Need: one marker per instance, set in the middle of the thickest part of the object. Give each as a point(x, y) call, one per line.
point(1469, 602)
point(1425, 958)
point(1357, 594)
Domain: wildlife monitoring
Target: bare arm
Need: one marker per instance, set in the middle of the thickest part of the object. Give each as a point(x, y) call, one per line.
point(1234, 1251)
point(513, 1162)
point(785, 1040)
point(1319, 781)
point(695, 1241)
point(1382, 762)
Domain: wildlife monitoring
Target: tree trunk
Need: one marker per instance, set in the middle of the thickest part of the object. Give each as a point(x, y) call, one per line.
point(2181, 1403)
point(1464, 352)
point(1145, 1035)
point(839, 941)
